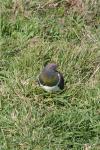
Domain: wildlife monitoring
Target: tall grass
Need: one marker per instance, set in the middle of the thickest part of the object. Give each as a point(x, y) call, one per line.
point(34, 33)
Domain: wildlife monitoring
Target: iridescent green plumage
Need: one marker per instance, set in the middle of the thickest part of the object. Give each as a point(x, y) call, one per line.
point(50, 79)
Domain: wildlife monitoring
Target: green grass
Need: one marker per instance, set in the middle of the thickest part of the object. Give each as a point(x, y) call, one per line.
point(32, 35)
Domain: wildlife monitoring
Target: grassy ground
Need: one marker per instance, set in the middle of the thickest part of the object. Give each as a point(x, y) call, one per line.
point(34, 33)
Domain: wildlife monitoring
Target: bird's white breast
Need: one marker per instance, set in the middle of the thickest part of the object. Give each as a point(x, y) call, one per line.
point(50, 89)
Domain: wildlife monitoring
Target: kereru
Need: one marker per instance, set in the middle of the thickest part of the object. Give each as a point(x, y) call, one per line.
point(50, 79)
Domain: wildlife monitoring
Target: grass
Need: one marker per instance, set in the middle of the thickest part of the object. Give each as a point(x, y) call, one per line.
point(34, 33)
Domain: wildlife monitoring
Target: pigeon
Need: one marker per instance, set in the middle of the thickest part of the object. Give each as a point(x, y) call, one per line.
point(50, 79)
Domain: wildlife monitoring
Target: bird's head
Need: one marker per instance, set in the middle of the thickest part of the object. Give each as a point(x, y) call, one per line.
point(52, 66)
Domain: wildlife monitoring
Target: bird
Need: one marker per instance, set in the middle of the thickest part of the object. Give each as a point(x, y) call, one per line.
point(50, 79)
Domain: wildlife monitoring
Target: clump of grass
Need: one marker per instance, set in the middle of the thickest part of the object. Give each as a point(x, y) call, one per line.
point(31, 118)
